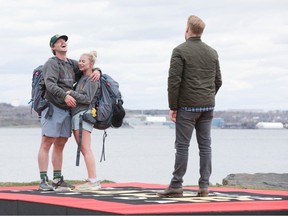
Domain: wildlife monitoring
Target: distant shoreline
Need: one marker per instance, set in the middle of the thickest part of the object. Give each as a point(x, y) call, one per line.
point(23, 116)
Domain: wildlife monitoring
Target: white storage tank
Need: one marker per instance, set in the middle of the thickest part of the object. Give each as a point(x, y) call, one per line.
point(269, 125)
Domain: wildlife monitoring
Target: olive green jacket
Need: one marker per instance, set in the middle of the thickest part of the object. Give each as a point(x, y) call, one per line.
point(194, 75)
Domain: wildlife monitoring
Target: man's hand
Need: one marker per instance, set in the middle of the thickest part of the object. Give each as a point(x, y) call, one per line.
point(70, 101)
point(95, 76)
point(173, 114)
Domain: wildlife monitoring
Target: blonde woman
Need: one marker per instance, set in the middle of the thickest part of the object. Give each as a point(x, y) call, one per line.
point(85, 95)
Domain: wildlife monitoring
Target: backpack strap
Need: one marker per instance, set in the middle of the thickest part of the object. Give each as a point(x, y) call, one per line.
point(103, 146)
point(50, 111)
point(79, 140)
point(31, 101)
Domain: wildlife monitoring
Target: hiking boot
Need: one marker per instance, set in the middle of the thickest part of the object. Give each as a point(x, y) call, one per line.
point(59, 184)
point(171, 192)
point(203, 193)
point(89, 186)
point(44, 185)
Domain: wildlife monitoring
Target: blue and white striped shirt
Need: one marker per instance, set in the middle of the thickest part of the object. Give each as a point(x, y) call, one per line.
point(198, 109)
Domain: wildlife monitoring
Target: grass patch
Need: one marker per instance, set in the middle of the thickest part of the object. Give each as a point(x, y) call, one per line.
point(36, 183)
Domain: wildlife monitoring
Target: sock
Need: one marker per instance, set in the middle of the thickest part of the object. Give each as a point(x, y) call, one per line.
point(57, 174)
point(92, 180)
point(43, 174)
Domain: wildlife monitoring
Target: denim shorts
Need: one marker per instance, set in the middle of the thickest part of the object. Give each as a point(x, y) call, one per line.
point(59, 125)
point(85, 125)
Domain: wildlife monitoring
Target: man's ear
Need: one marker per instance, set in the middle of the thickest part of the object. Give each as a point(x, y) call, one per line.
point(186, 33)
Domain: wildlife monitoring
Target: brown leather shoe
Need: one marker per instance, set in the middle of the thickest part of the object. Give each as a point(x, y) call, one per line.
point(202, 193)
point(171, 192)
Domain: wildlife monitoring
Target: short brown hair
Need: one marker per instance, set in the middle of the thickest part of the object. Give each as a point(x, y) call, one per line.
point(196, 25)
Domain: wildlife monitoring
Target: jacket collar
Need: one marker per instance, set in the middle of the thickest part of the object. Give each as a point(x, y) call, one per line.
point(194, 39)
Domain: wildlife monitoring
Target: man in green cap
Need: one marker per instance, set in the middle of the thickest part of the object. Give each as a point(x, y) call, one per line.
point(59, 74)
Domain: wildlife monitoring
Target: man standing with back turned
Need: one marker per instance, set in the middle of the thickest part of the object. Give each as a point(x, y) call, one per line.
point(194, 79)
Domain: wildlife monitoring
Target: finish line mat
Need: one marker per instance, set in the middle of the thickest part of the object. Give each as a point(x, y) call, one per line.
point(140, 198)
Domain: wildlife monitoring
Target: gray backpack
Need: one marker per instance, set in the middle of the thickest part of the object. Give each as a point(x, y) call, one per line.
point(109, 111)
point(38, 103)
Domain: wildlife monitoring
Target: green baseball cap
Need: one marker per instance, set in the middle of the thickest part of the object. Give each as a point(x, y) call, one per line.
point(56, 37)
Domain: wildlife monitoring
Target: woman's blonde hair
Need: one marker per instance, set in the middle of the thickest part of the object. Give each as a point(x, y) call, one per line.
point(196, 25)
point(91, 56)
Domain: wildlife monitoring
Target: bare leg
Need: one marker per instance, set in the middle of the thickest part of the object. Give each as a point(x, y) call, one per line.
point(43, 154)
point(57, 154)
point(87, 152)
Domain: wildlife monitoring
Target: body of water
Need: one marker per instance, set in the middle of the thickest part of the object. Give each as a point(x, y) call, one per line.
point(147, 155)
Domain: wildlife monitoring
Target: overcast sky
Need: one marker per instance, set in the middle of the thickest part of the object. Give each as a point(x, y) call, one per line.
point(135, 38)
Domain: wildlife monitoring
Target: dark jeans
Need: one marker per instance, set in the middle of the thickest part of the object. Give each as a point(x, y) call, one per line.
point(185, 124)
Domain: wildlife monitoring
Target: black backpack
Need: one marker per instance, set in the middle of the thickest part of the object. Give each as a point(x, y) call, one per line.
point(38, 103)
